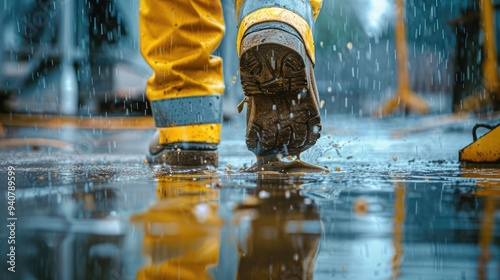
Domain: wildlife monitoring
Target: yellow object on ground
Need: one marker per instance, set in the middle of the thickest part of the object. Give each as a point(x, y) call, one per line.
point(485, 150)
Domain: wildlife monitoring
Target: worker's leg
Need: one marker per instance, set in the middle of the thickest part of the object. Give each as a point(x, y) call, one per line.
point(177, 39)
point(276, 49)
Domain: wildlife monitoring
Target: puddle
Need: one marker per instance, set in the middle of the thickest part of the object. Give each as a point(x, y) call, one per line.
point(389, 223)
point(388, 208)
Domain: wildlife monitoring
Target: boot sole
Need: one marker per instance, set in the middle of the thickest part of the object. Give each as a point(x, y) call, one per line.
point(184, 158)
point(278, 79)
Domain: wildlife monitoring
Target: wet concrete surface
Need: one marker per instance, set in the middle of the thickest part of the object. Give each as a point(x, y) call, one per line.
point(86, 206)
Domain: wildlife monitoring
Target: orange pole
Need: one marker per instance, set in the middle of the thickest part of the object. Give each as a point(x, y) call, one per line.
point(403, 96)
point(402, 50)
point(490, 70)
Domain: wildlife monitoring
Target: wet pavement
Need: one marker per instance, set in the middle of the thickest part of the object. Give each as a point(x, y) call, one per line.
point(395, 204)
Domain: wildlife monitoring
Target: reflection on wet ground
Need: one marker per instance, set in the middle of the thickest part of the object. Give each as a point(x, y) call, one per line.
point(389, 208)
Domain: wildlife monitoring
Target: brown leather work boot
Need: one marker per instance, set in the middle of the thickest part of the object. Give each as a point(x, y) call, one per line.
point(276, 69)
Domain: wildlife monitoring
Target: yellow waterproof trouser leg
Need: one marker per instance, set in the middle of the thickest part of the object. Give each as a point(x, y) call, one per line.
point(177, 39)
point(315, 4)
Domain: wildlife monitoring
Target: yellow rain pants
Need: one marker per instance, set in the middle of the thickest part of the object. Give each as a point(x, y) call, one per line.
point(177, 39)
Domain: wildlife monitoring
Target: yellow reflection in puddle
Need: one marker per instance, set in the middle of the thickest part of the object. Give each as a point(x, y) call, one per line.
point(181, 231)
point(275, 231)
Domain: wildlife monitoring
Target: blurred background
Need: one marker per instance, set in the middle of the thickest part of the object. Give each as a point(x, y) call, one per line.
point(357, 53)
point(82, 57)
